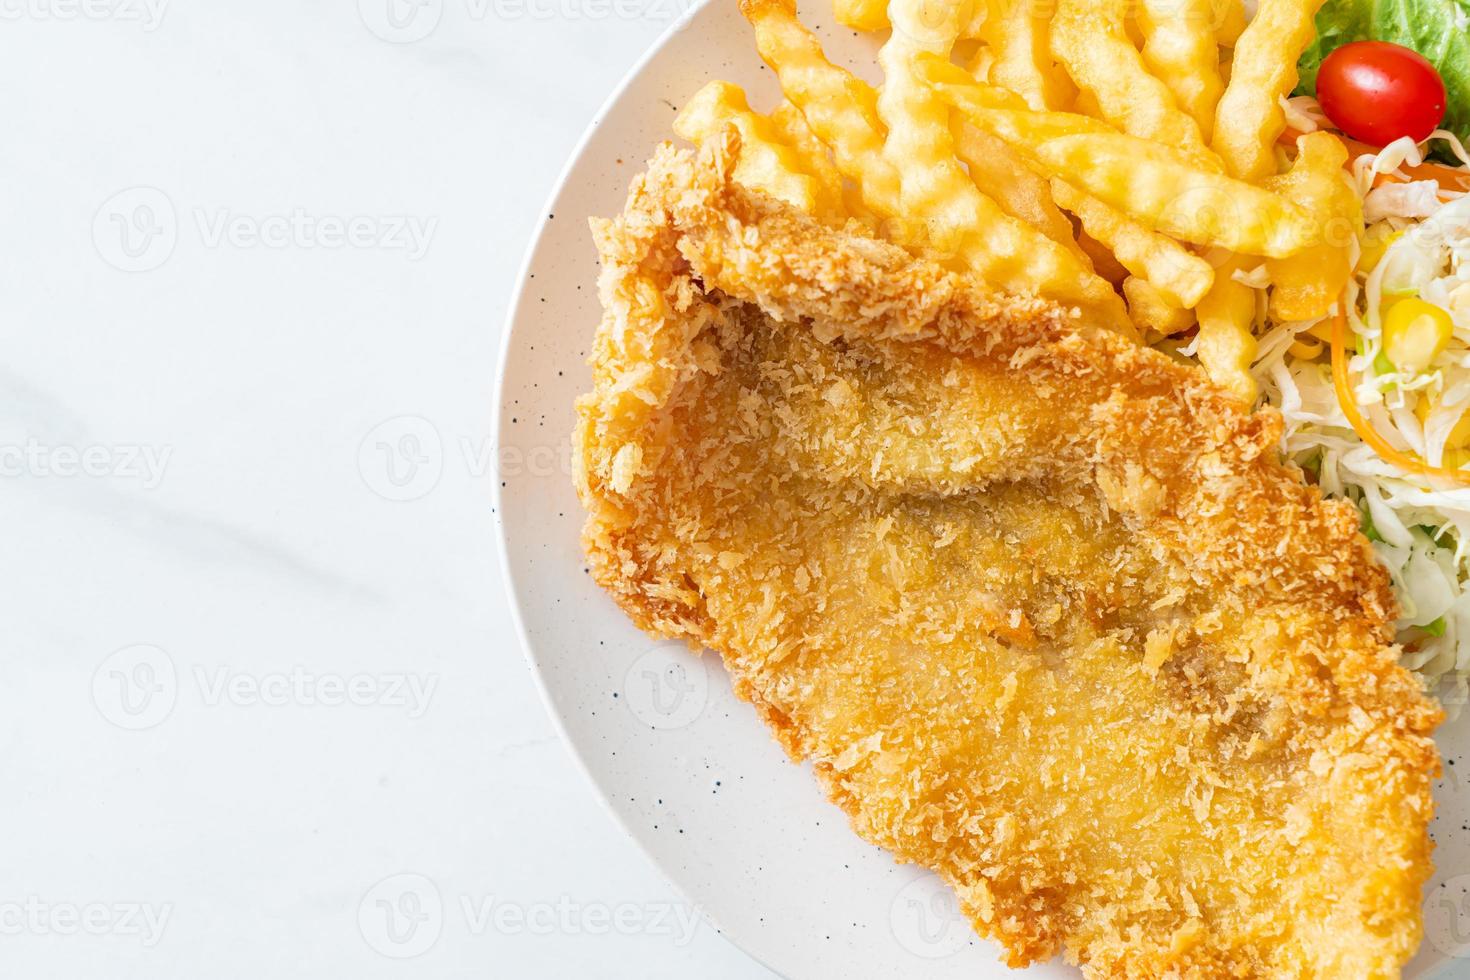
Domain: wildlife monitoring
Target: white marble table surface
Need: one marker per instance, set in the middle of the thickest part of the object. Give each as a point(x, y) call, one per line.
point(246, 246)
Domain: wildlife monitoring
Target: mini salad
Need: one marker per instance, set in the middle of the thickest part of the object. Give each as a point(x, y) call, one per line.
point(1384, 419)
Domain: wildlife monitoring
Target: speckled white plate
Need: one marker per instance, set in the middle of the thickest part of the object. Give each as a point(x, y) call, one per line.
point(686, 768)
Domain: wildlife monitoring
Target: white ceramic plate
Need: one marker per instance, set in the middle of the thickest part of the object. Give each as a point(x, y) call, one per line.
point(686, 768)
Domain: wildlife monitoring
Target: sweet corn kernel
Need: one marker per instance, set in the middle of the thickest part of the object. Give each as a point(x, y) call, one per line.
point(1459, 436)
point(1414, 332)
point(1375, 242)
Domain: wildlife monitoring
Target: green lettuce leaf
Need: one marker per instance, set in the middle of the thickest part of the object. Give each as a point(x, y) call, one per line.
point(1437, 29)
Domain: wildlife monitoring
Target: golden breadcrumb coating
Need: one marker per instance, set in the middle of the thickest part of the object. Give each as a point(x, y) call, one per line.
point(1043, 608)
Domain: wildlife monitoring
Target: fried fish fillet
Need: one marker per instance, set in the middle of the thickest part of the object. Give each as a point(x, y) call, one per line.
point(1043, 608)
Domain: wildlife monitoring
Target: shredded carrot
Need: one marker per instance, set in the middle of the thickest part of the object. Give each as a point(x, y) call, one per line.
point(1360, 425)
point(1449, 178)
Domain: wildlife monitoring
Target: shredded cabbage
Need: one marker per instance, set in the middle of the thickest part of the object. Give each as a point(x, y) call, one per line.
point(1419, 526)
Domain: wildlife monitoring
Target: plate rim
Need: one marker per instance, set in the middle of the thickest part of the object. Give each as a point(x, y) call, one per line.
point(497, 423)
point(519, 290)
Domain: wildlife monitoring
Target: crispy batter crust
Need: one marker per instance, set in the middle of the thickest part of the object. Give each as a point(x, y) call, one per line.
point(1044, 608)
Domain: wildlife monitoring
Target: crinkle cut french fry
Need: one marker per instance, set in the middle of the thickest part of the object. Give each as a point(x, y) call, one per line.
point(1090, 39)
point(1180, 48)
point(1178, 274)
point(1013, 256)
point(1306, 285)
point(815, 158)
point(1086, 104)
point(861, 15)
point(1249, 118)
point(1152, 310)
point(958, 217)
point(1020, 192)
point(1131, 28)
point(1018, 37)
point(1156, 185)
point(1226, 344)
point(978, 65)
point(840, 108)
point(1164, 192)
point(1229, 21)
point(872, 15)
point(817, 161)
point(1104, 262)
point(766, 162)
point(999, 112)
point(934, 187)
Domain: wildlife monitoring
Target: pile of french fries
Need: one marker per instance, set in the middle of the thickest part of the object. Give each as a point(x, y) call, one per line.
point(1124, 159)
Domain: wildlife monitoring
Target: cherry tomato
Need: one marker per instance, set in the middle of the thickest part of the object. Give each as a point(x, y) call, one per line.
point(1377, 92)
